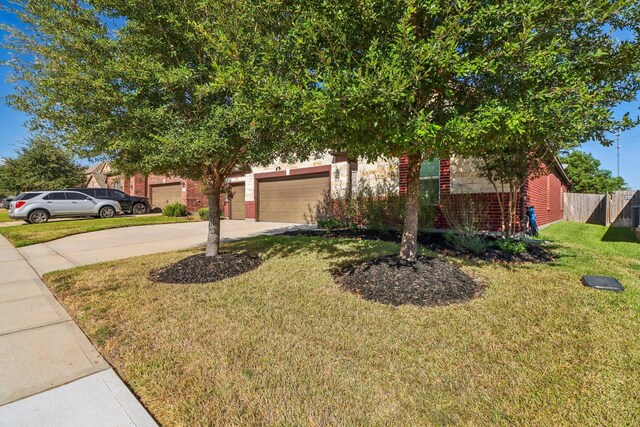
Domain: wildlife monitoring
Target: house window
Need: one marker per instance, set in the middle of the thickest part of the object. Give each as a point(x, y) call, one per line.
point(430, 181)
point(116, 184)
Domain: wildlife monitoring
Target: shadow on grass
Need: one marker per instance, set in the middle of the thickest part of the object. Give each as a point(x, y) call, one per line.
point(620, 234)
point(341, 253)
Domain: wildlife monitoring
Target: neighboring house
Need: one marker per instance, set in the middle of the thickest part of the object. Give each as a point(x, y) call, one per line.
point(290, 192)
point(96, 176)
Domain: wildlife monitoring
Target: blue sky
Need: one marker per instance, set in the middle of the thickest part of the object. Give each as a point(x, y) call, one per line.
point(12, 130)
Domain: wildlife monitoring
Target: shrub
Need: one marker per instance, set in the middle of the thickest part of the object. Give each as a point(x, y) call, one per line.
point(203, 213)
point(466, 241)
point(378, 207)
point(466, 212)
point(512, 246)
point(175, 209)
point(329, 223)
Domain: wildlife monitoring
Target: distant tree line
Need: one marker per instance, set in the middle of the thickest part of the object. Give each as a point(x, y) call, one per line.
point(39, 164)
point(587, 176)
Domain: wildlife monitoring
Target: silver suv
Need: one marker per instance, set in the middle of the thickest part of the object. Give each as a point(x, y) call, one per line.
point(38, 206)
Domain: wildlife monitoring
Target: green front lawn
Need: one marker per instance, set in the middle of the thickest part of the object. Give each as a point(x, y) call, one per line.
point(30, 234)
point(282, 345)
point(4, 216)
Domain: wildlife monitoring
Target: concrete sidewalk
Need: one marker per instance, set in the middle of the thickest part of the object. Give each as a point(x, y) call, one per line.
point(50, 373)
point(120, 243)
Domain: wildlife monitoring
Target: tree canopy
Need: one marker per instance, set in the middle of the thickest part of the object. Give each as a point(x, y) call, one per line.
point(426, 79)
point(195, 89)
point(40, 165)
point(587, 176)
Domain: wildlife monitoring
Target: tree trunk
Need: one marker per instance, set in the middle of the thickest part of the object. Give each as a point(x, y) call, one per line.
point(213, 185)
point(409, 246)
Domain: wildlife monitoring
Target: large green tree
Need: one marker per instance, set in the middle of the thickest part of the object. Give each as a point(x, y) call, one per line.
point(40, 164)
point(197, 88)
point(429, 78)
point(587, 176)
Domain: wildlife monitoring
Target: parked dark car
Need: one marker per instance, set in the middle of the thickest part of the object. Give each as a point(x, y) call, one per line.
point(130, 204)
point(6, 202)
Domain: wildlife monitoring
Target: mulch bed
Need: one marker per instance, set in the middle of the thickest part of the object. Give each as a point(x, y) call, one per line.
point(427, 282)
point(535, 252)
point(201, 269)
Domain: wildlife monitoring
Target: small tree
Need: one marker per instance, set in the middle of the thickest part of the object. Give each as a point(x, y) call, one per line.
point(40, 165)
point(195, 89)
point(587, 176)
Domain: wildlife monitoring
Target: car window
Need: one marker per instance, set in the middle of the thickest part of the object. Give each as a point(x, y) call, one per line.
point(101, 193)
point(26, 196)
point(55, 196)
point(76, 196)
point(120, 194)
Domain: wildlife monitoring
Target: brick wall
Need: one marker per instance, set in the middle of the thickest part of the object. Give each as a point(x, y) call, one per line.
point(195, 198)
point(250, 210)
point(546, 195)
point(138, 186)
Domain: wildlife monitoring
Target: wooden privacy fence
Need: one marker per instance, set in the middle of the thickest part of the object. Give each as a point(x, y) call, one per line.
point(615, 209)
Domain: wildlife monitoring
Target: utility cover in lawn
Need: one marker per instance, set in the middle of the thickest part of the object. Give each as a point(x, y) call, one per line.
point(427, 282)
point(603, 283)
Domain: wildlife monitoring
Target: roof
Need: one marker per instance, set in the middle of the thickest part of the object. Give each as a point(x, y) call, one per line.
point(97, 168)
point(99, 178)
point(561, 171)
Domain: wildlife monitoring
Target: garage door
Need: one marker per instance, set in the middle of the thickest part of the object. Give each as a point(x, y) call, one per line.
point(163, 195)
point(237, 202)
point(291, 199)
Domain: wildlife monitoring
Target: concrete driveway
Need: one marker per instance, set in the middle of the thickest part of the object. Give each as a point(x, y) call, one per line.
point(119, 243)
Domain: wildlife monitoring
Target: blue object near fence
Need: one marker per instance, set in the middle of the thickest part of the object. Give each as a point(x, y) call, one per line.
point(533, 224)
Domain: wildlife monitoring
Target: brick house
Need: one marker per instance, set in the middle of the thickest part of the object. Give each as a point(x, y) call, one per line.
point(289, 192)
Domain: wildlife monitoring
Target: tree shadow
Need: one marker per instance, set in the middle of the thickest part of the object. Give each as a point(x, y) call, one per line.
point(338, 252)
point(620, 234)
point(341, 253)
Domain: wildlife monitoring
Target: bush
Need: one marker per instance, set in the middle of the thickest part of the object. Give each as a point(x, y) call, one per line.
point(512, 246)
point(378, 207)
point(466, 241)
point(329, 223)
point(203, 213)
point(175, 209)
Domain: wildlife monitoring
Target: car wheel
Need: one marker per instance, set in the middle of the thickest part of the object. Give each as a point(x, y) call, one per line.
point(139, 209)
point(107, 212)
point(38, 216)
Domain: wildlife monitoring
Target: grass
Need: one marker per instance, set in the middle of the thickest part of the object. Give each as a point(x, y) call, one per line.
point(30, 234)
point(4, 216)
point(282, 345)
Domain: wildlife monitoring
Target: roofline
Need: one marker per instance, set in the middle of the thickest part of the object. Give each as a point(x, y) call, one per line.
point(561, 171)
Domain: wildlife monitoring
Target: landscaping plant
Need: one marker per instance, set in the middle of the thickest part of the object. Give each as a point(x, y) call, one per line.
point(466, 241)
point(377, 207)
point(175, 210)
point(512, 246)
point(203, 213)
